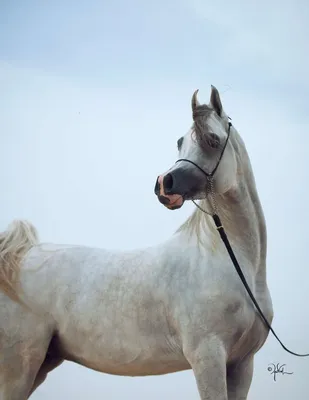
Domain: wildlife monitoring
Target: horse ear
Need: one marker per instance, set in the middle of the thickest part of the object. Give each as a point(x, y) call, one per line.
point(194, 101)
point(215, 101)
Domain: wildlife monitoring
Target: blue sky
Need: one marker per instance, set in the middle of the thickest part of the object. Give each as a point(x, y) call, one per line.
point(237, 43)
point(96, 94)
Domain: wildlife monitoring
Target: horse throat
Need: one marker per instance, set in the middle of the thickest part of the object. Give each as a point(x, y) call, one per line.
point(242, 217)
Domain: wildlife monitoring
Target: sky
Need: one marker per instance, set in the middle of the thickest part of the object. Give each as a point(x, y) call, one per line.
point(94, 96)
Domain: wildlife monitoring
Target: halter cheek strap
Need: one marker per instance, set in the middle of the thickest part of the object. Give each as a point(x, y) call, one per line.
point(210, 174)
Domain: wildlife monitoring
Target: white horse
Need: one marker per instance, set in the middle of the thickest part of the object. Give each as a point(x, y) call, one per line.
point(173, 307)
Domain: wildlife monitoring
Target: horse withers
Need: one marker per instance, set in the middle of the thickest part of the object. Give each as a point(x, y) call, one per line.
point(172, 307)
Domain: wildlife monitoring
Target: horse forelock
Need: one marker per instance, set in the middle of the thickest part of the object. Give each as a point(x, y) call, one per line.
point(201, 128)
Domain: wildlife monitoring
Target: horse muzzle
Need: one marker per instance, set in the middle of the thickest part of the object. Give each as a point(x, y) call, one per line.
point(163, 190)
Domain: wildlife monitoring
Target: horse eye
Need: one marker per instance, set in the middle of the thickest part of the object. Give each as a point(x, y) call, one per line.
point(179, 143)
point(213, 140)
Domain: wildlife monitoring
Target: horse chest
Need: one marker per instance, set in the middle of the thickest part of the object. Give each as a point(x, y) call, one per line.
point(251, 339)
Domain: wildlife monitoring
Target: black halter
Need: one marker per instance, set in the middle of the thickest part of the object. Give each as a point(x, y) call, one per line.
point(211, 174)
point(229, 249)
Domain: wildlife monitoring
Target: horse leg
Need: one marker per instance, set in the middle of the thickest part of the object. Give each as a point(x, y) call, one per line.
point(24, 340)
point(208, 361)
point(239, 378)
point(51, 362)
point(19, 365)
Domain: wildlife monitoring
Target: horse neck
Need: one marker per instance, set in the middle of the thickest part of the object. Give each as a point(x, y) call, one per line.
point(242, 217)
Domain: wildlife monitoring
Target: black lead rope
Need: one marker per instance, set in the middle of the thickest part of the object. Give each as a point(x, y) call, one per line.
point(243, 279)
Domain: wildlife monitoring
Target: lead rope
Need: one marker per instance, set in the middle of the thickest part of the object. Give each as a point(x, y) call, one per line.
point(220, 229)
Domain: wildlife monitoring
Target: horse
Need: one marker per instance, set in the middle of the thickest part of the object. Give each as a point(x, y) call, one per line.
point(175, 306)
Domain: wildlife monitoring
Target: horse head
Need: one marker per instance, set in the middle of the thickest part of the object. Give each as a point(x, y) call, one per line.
point(205, 154)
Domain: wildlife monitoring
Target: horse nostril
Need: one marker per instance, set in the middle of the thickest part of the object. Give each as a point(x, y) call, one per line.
point(168, 183)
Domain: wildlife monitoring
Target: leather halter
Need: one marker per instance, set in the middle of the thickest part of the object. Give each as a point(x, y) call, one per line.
point(210, 174)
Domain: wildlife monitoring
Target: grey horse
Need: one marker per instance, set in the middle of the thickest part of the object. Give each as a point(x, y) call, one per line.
point(172, 307)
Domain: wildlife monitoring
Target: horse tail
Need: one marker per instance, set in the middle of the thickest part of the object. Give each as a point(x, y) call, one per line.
point(15, 242)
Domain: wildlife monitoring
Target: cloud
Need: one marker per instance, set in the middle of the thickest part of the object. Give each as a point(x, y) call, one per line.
point(269, 36)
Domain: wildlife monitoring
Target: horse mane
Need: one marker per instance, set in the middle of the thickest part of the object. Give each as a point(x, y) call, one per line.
point(200, 125)
point(15, 242)
point(201, 226)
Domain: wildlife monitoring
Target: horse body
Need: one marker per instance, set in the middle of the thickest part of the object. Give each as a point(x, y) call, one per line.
point(167, 308)
point(127, 311)
point(115, 306)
